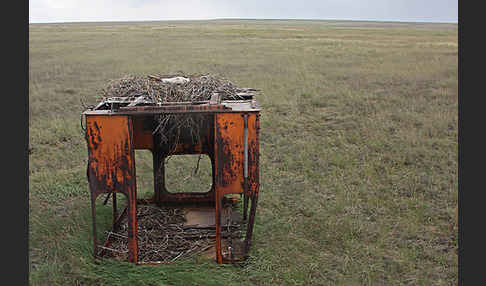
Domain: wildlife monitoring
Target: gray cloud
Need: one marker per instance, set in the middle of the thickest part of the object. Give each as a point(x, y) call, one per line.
point(141, 10)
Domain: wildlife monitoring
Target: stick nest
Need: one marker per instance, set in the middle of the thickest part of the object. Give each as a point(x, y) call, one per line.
point(155, 89)
point(162, 236)
point(152, 87)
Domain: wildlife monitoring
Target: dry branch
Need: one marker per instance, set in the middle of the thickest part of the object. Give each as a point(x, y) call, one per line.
point(163, 237)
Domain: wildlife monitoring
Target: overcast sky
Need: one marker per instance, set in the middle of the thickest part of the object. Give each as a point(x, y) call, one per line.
point(45, 11)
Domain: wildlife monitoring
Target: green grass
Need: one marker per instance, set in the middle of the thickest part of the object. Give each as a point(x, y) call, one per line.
point(358, 147)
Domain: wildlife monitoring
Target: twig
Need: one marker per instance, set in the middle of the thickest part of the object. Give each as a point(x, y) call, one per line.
point(163, 237)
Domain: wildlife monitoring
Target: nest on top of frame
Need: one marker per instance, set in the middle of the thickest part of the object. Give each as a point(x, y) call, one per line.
point(172, 88)
point(176, 88)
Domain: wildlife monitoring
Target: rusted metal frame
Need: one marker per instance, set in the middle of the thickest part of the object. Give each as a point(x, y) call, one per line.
point(162, 195)
point(116, 224)
point(91, 188)
point(159, 172)
point(146, 140)
point(251, 184)
point(251, 222)
point(245, 167)
point(158, 112)
point(254, 147)
point(225, 106)
point(218, 194)
point(219, 254)
point(116, 220)
point(97, 186)
point(219, 178)
point(175, 111)
point(132, 203)
point(229, 150)
point(107, 198)
point(111, 167)
point(143, 126)
point(114, 228)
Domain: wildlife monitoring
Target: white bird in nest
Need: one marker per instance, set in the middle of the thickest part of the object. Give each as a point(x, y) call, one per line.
point(176, 80)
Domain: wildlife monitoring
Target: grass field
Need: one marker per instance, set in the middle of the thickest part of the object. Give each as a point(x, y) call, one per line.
point(359, 147)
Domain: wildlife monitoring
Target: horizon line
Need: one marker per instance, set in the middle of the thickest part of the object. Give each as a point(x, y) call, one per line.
point(248, 19)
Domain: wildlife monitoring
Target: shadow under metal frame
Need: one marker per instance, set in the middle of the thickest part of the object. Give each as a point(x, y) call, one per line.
point(230, 137)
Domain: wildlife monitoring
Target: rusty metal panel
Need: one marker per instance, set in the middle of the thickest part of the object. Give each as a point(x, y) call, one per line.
point(229, 149)
point(111, 167)
point(142, 132)
point(110, 158)
point(253, 152)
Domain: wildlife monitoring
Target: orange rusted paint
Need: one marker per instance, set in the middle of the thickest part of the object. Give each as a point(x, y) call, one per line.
point(253, 152)
point(229, 149)
point(112, 139)
point(254, 173)
point(142, 132)
point(229, 165)
point(181, 149)
point(109, 147)
point(111, 167)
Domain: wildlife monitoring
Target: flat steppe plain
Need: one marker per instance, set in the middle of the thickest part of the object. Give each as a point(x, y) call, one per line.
point(359, 147)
